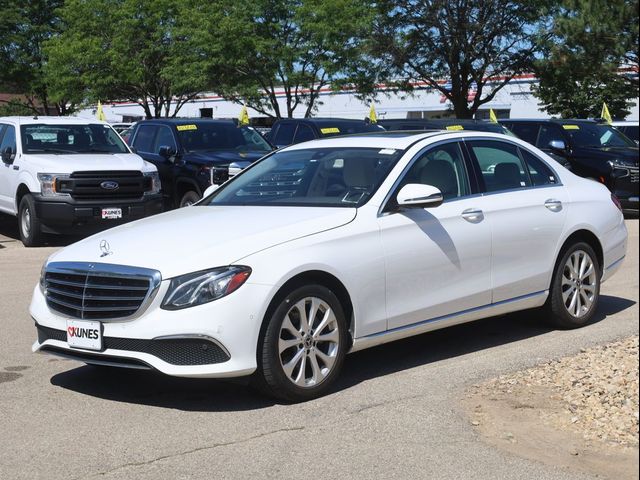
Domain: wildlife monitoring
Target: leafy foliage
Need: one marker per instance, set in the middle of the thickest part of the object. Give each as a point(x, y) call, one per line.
point(478, 45)
point(589, 42)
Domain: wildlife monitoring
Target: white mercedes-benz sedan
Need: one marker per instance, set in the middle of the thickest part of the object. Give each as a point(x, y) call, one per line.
point(332, 246)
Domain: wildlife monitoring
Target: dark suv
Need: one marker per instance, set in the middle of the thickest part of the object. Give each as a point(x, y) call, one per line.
point(393, 124)
point(192, 154)
point(592, 149)
point(296, 130)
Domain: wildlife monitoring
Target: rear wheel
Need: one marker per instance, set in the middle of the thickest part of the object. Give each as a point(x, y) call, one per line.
point(28, 223)
point(189, 198)
point(575, 289)
point(304, 345)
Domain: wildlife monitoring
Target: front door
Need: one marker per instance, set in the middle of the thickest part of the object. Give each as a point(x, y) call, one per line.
point(9, 170)
point(438, 260)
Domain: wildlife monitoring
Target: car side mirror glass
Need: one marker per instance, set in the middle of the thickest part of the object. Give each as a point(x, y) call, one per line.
point(558, 146)
point(8, 155)
point(416, 195)
point(166, 152)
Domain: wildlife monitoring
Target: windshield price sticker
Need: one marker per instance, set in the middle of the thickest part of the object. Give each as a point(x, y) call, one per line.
point(182, 128)
point(330, 130)
point(571, 127)
point(455, 127)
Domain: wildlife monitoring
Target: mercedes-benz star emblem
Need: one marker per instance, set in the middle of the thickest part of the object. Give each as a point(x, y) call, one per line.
point(105, 249)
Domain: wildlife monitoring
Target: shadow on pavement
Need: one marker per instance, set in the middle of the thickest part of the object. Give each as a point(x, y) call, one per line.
point(155, 389)
point(9, 234)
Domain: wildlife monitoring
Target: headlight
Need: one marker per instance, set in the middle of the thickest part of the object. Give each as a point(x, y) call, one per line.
point(48, 183)
point(155, 182)
point(203, 287)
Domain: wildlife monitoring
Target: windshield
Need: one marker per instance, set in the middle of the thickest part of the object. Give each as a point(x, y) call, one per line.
point(333, 177)
point(70, 139)
point(205, 137)
point(596, 135)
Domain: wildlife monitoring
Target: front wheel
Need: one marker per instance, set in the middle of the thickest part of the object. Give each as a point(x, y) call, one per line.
point(28, 223)
point(304, 345)
point(575, 288)
point(189, 198)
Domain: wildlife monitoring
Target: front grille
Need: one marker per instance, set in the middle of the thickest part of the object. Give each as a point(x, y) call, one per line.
point(98, 291)
point(176, 351)
point(131, 185)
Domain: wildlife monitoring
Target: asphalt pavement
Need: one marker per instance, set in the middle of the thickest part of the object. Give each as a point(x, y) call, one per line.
point(395, 414)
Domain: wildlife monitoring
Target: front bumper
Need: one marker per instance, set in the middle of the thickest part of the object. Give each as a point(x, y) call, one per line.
point(217, 339)
point(66, 215)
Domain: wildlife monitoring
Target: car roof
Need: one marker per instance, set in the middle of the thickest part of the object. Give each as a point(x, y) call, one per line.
point(559, 121)
point(178, 121)
point(398, 140)
point(50, 120)
point(625, 123)
point(323, 120)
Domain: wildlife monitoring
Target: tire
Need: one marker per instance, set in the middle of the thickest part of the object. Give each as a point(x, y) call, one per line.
point(28, 223)
point(189, 198)
point(296, 363)
point(575, 288)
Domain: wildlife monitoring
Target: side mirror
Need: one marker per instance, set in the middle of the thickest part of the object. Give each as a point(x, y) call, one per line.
point(166, 152)
point(8, 155)
point(416, 195)
point(210, 189)
point(558, 146)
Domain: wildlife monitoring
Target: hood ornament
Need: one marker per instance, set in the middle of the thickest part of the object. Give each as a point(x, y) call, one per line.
point(105, 249)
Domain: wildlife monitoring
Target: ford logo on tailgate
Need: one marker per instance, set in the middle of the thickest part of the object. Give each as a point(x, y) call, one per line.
point(110, 185)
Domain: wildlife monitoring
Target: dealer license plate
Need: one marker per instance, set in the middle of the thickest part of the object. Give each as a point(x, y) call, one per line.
point(83, 334)
point(111, 213)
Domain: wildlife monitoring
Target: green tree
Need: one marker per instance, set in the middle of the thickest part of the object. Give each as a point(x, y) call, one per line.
point(454, 46)
point(25, 28)
point(122, 50)
point(256, 52)
point(589, 42)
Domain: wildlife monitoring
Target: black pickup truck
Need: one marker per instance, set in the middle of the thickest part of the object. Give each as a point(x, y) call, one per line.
point(193, 153)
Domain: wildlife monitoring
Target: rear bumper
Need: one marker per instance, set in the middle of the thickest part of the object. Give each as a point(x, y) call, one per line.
point(67, 215)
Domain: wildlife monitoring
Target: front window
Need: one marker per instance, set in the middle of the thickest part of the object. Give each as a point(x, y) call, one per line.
point(71, 139)
point(208, 137)
point(596, 135)
point(330, 177)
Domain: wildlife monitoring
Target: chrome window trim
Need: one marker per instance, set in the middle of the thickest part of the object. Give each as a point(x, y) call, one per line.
point(109, 270)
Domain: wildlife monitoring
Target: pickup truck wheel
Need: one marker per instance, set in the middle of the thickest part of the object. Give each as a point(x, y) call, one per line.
point(28, 223)
point(189, 198)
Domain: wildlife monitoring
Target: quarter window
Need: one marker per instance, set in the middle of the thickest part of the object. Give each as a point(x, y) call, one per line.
point(500, 164)
point(144, 138)
point(539, 171)
point(442, 167)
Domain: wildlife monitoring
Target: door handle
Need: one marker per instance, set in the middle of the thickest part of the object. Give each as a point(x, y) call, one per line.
point(553, 204)
point(473, 215)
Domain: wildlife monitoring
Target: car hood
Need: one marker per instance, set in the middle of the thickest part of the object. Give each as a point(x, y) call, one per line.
point(224, 157)
point(200, 237)
point(61, 163)
point(627, 156)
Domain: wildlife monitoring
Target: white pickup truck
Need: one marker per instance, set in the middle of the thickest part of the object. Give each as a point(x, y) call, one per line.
point(69, 175)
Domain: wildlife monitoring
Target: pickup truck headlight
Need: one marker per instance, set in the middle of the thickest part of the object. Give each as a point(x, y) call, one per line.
point(155, 183)
point(203, 287)
point(48, 183)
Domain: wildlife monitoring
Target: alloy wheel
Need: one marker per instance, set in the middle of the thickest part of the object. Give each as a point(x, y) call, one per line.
point(309, 342)
point(579, 284)
point(25, 222)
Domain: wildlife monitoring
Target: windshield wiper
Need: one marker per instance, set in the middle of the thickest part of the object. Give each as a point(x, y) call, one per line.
point(54, 150)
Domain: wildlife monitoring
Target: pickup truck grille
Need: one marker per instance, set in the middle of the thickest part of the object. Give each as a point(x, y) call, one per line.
point(95, 185)
point(633, 174)
point(98, 291)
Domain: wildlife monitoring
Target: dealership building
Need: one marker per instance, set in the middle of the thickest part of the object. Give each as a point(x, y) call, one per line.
point(515, 100)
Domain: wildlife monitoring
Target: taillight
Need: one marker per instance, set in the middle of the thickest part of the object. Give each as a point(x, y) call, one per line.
point(615, 200)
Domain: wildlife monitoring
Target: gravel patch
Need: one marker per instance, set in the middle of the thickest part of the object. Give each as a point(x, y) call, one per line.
point(597, 390)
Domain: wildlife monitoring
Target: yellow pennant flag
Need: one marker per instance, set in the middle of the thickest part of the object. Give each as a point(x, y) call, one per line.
point(373, 118)
point(605, 114)
point(492, 116)
point(243, 119)
point(100, 114)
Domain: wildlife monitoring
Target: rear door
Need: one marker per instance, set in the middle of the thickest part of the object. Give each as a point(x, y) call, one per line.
point(525, 205)
point(438, 260)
